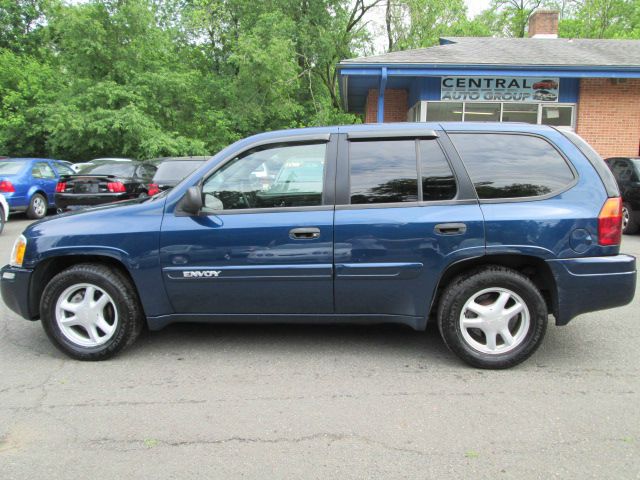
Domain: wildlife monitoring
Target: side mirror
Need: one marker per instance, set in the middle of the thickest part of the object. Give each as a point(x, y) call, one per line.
point(192, 202)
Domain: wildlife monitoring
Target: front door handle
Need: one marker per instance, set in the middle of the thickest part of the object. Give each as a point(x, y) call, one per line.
point(308, 233)
point(450, 228)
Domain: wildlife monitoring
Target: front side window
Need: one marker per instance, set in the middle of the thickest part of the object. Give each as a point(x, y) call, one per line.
point(274, 177)
point(512, 166)
point(383, 171)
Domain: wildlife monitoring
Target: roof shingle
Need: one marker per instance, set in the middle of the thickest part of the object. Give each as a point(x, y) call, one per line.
point(516, 51)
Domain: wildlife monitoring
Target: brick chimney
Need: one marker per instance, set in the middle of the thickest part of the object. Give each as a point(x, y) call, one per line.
point(544, 24)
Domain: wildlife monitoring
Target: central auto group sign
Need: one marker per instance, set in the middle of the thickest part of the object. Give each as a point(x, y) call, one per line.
point(500, 89)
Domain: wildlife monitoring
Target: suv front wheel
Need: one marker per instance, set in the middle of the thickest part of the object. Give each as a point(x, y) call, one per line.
point(91, 311)
point(493, 317)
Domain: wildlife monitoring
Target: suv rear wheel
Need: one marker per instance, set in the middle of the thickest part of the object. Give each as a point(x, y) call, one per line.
point(493, 317)
point(91, 312)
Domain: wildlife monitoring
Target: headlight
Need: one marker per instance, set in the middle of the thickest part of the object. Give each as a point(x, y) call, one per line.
point(17, 254)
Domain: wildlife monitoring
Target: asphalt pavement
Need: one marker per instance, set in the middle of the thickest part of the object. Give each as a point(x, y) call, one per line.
point(320, 402)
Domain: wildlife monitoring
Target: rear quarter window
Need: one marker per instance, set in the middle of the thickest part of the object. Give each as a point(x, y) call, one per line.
point(512, 165)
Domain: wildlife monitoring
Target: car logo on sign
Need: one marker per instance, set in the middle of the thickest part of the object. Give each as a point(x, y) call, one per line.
point(201, 273)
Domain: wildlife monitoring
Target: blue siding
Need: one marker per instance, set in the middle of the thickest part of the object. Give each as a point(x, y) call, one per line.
point(569, 88)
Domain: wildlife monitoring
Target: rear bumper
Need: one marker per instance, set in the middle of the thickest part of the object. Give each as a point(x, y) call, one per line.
point(65, 201)
point(15, 284)
point(592, 283)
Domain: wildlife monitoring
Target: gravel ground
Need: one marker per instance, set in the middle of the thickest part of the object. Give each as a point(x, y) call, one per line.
point(224, 401)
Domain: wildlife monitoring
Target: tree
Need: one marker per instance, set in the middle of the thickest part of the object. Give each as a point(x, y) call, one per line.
point(20, 22)
point(602, 19)
point(420, 23)
point(510, 18)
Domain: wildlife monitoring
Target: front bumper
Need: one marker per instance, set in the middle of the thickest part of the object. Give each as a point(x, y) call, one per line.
point(592, 283)
point(15, 284)
point(69, 201)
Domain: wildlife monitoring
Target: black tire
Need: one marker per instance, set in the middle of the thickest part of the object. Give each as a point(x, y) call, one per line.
point(632, 225)
point(1, 219)
point(463, 288)
point(127, 306)
point(34, 212)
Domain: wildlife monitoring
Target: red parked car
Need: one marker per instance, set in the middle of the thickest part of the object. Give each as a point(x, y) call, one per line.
point(545, 84)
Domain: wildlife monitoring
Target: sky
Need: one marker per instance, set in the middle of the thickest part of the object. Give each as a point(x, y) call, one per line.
point(476, 6)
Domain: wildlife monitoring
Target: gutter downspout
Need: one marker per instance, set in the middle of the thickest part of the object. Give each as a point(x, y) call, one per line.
point(381, 89)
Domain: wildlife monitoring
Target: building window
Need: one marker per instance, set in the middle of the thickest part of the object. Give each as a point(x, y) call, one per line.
point(482, 112)
point(556, 114)
point(520, 112)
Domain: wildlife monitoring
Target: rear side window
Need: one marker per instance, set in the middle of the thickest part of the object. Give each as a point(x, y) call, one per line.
point(438, 182)
point(512, 166)
point(383, 171)
point(42, 170)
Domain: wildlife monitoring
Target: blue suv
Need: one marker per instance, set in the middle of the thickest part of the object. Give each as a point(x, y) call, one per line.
point(485, 229)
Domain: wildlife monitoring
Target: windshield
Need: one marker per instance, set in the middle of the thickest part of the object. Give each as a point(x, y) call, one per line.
point(175, 171)
point(636, 163)
point(121, 168)
point(11, 168)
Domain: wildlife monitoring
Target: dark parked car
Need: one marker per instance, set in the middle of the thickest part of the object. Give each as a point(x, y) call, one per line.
point(103, 183)
point(29, 184)
point(627, 173)
point(171, 170)
point(485, 229)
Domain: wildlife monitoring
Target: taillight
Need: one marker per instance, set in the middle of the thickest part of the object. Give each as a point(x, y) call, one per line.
point(116, 187)
point(610, 222)
point(6, 186)
point(153, 189)
point(60, 187)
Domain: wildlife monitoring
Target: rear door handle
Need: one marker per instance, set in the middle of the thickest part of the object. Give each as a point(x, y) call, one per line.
point(450, 228)
point(307, 233)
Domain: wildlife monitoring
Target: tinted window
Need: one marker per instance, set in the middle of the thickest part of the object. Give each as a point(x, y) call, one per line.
point(11, 168)
point(383, 171)
point(146, 171)
point(120, 168)
point(276, 177)
point(508, 166)
point(623, 170)
point(438, 182)
point(175, 171)
point(63, 169)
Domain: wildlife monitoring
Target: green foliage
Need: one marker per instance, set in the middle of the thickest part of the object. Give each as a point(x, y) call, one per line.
point(603, 19)
point(145, 78)
point(578, 18)
point(420, 23)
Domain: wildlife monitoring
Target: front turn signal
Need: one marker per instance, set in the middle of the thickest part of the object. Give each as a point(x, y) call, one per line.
point(17, 254)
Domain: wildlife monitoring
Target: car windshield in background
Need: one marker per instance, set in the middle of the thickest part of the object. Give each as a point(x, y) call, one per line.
point(636, 163)
point(11, 168)
point(119, 168)
point(175, 171)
